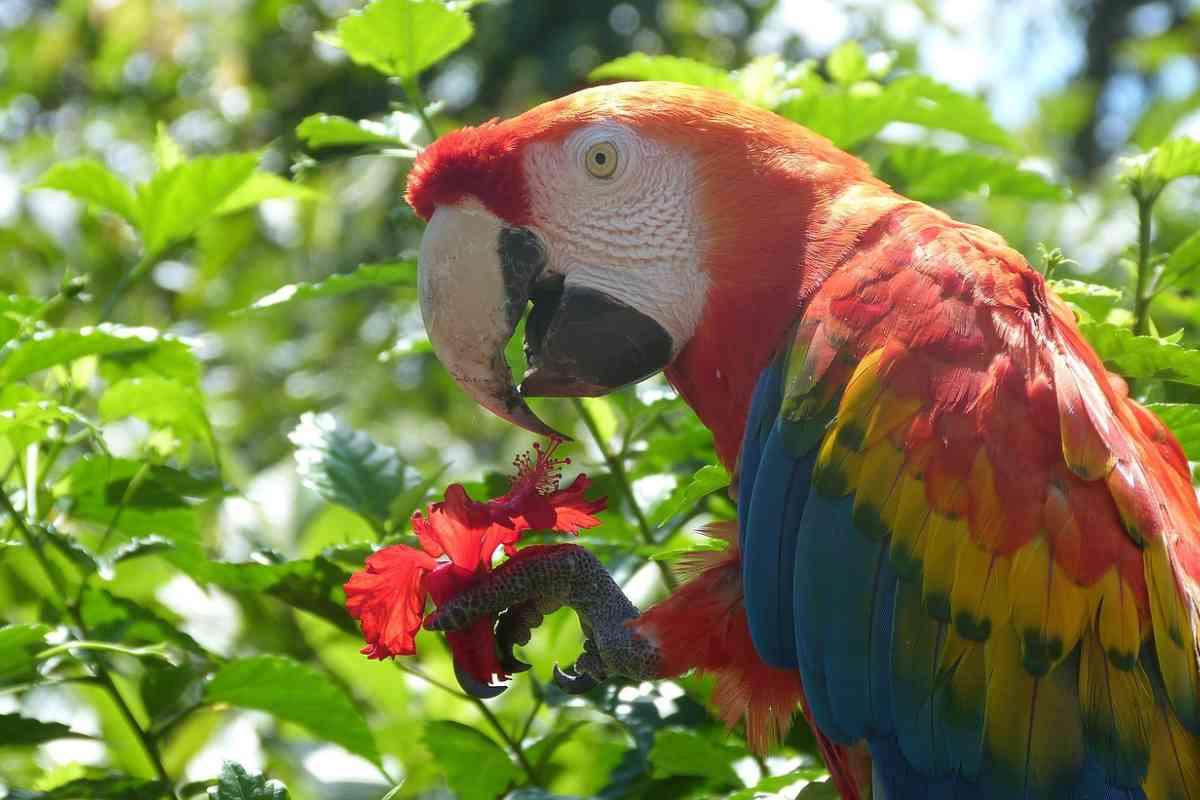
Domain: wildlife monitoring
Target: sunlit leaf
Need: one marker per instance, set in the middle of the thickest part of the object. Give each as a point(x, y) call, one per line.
point(1143, 356)
point(112, 787)
point(26, 415)
point(923, 101)
point(1184, 421)
point(644, 67)
point(707, 480)
point(1181, 265)
point(1175, 158)
point(16, 730)
point(118, 619)
point(262, 186)
point(326, 130)
point(847, 63)
point(91, 182)
point(18, 646)
point(235, 783)
point(851, 115)
point(476, 767)
point(22, 357)
point(295, 692)
point(367, 276)
point(174, 203)
point(313, 585)
point(1093, 298)
point(16, 311)
point(933, 175)
point(402, 38)
point(95, 490)
point(348, 467)
point(683, 752)
point(167, 152)
point(160, 402)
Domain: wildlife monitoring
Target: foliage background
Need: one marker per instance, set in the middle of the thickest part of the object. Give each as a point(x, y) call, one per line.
point(186, 486)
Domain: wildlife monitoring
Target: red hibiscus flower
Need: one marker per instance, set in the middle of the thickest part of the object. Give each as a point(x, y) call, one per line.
point(458, 539)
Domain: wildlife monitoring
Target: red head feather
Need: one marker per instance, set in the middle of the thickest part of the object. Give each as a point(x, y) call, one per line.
point(769, 240)
point(483, 162)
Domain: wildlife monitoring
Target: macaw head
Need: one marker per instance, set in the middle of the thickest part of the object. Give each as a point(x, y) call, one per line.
point(651, 226)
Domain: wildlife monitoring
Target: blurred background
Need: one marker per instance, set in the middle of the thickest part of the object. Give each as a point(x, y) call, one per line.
point(1079, 84)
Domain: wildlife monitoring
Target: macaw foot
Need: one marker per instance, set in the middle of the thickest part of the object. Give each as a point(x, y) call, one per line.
point(537, 581)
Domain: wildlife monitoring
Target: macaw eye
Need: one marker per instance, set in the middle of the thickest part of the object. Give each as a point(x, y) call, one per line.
point(601, 160)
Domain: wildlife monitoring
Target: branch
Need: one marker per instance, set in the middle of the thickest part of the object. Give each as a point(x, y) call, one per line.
point(617, 468)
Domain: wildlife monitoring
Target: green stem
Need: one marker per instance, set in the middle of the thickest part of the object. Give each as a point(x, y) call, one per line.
point(102, 674)
point(123, 285)
point(617, 468)
point(1142, 292)
point(513, 745)
point(413, 89)
point(84, 644)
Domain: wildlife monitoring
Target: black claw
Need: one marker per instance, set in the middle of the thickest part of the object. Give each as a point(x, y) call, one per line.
point(473, 687)
point(571, 683)
point(509, 662)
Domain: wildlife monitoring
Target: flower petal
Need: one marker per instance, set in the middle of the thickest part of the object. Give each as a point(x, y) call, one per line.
point(389, 599)
point(565, 510)
point(455, 527)
point(475, 648)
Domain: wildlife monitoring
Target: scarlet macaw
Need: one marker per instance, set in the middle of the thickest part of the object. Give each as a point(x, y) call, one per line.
point(979, 556)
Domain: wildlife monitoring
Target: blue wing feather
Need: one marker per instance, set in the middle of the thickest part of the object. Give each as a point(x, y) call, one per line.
point(822, 596)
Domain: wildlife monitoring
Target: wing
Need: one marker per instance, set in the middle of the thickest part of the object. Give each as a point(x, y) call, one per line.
point(979, 552)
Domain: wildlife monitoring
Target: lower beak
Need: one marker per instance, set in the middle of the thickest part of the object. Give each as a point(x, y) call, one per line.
point(476, 277)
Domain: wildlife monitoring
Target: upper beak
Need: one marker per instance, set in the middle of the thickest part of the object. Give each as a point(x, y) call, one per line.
point(476, 277)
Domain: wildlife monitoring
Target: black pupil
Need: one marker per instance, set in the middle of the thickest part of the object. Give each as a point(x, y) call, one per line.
point(600, 159)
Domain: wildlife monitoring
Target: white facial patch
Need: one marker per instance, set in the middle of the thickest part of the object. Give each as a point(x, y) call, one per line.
point(634, 234)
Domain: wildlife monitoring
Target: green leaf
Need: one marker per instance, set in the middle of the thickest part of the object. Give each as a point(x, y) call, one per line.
point(319, 131)
point(169, 689)
point(402, 38)
point(16, 311)
point(1143, 356)
point(297, 693)
point(475, 766)
point(117, 619)
point(847, 64)
point(704, 482)
point(1184, 421)
point(367, 276)
point(348, 467)
point(1096, 300)
point(849, 116)
point(167, 152)
point(1175, 158)
point(643, 67)
point(933, 175)
point(819, 790)
point(923, 101)
point(312, 585)
point(237, 784)
point(91, 182)
point(1182, 263)
point(174, 203)
point(19, 644)
point(265, 186)
point(678, 751)
point(163, 403)
point(26, 415)
point(23, 357)
point(771, 784)
point(112, 787)
point(94, 487)
point(16, 730)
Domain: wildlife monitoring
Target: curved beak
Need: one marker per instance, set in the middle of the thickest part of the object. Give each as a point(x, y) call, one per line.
point(476, 275)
